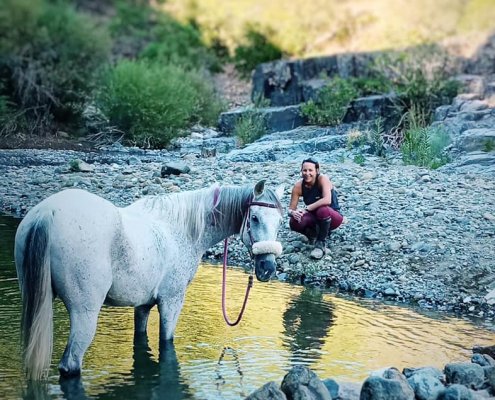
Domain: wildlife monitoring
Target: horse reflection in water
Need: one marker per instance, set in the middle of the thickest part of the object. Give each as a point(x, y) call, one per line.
point(83, 249)
point(149, 379)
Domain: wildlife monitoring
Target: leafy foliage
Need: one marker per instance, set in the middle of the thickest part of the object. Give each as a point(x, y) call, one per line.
point(331, 104)
point(489, 145)
point(155, 36)
point(179, 44)
point(250, 127)
point(51, 54)
point(421, 79)
point(256, 50)
point(153, 103)
point(423, 146)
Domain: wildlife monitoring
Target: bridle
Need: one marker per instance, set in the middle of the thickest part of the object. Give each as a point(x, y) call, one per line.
point(245, 227)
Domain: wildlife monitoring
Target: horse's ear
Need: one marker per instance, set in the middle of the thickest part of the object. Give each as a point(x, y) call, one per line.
point(279, 191)
point(259, 188)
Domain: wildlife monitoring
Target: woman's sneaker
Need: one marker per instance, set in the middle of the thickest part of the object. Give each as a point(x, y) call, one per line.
point(319, 251)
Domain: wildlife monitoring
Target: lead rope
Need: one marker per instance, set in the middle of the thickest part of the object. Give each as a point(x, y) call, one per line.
point(224, 278)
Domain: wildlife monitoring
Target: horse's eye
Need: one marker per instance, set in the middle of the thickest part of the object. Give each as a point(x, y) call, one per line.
point(254, 218)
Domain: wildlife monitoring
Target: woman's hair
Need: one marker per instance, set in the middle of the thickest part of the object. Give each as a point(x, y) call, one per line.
point(312, 161)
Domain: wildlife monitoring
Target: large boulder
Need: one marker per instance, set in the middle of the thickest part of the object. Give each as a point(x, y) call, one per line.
point(284, 82)
point(302, 383)
point(467, 374)
point(269, 391)
point(389, 385)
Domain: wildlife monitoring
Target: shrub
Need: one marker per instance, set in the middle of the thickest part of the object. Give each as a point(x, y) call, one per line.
point(256, 50)
point(51, 54)
point(376, 139)
point(359, 159)
point(250, 127)
point(155, 36)
point(331, 104)
point(179, 44)
point(421, 79)
point(374, 84)
point(372, 136)
point(424, 147)
point(131, 18)
point(153, 103)
point(489, 145)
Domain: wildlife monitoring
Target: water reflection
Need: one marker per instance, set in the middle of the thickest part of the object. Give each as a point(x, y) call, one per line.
point(148, 379)
point(307, 321)
point(283, 326)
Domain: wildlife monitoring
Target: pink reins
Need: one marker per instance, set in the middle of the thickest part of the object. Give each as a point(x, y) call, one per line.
point(224, 278)
point(247, 226)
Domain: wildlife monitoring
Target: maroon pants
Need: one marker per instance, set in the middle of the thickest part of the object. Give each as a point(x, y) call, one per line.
point(310, 219)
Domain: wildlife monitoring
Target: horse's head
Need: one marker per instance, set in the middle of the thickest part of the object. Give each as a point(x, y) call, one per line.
point(260, 228)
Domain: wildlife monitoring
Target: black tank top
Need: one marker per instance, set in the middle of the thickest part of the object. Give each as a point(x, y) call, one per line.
point(312, 194)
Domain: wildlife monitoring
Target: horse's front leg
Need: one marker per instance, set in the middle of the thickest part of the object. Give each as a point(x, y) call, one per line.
point(169, 309)
point(141, 314)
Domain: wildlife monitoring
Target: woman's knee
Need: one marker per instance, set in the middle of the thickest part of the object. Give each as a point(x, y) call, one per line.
point(323, 212)
point(295, 226)
point(337, 219)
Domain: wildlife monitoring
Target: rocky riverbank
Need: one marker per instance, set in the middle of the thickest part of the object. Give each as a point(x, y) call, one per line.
point(460, 381)
point(411, 234)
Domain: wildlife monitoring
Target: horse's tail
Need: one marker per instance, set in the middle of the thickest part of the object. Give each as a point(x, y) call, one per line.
point(37, 298)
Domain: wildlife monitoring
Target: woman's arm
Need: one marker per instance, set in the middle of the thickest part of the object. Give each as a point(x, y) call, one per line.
point(326, 193)
point(294, 197)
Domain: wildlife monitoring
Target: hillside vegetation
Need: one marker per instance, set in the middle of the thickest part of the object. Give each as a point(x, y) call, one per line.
point(141, 71)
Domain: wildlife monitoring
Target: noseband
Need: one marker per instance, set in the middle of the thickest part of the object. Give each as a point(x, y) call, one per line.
point(264, 246)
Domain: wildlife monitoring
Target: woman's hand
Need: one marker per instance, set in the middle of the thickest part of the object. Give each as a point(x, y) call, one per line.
point(298, 214)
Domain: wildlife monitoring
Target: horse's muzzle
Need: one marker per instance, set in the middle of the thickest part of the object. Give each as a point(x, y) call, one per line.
point(264, 266)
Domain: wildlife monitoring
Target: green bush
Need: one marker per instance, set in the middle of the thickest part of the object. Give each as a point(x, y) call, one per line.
point(331, 104)
point(375, 84)
point(154, 103)
point(421, 79)
point(179, 44)
point(250, 127)
point(155, 36)
point(489, 145)
point(424, 147)
point(132, 19)
point(50, 56)
point(257, 49)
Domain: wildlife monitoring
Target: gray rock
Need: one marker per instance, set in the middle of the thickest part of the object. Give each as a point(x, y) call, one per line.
point(269, 391)
point(302, 383)
point(343, 390)
point(476, 139)
point(174, 168)
point(483, 359)
point(389, 385)
point(456, 392)
point(468, 374)
point(425, 386)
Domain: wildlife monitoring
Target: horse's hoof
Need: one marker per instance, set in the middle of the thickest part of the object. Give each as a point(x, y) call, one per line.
point(66, 373)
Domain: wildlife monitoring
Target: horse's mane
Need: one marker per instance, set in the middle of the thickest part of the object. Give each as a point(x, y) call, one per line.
point(223, 206)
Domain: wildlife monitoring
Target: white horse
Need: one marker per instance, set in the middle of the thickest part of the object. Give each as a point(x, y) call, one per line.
point(88, 252)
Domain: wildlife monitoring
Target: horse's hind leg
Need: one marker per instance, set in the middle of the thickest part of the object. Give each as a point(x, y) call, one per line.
point(82, 331)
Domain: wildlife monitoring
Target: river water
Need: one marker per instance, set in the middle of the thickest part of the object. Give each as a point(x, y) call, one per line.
point(284, 325)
